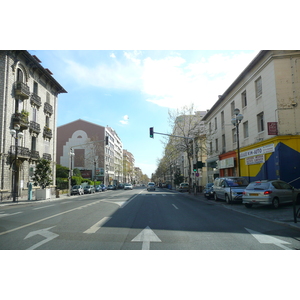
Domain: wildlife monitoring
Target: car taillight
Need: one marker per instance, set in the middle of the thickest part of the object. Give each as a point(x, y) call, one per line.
point(244, 193)
point(267, 192)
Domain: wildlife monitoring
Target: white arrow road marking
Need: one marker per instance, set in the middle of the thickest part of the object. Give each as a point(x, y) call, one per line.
point(5, 215)
point(146, 236)
point(98, 225)
point(43, 232)
point(267, 239)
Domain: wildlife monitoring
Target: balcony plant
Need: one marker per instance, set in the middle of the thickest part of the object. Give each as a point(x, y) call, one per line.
point(24, 113)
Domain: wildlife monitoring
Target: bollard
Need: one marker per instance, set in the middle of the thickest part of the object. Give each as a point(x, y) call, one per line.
point(57, 193)
point(30, 191)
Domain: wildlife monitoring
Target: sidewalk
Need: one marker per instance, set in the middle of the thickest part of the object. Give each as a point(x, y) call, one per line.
point(283, 215)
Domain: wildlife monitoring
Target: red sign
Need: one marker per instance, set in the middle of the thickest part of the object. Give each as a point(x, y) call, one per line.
point(272, 128)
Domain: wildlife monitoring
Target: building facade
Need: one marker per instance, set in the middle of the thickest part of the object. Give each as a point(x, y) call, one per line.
point(28, 111)
point(267, 95)
point(128, 167)
point(82, 145)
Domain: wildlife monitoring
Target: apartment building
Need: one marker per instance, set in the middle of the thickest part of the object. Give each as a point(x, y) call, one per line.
point(267, 95)
point(82, 144)
point(28, 112)
point(128, 167)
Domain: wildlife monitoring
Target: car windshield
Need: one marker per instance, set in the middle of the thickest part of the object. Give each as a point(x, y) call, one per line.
point(236, 181)
point(258, 186)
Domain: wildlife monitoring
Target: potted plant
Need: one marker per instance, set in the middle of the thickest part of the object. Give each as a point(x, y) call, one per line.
point(43, 177)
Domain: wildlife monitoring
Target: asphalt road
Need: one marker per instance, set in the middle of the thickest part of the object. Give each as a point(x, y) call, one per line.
point(138, 220)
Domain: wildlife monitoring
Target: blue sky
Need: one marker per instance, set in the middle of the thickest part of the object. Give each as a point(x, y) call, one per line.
point(131, 91)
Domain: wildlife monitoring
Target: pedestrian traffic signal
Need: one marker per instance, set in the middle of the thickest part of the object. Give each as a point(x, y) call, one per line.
point(151, 132)
point(106, 140)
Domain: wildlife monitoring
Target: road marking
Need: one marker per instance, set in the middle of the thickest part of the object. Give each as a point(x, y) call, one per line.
point(175, 206)
point(267, 239)
point(131, 199)
point(43, 207)
point(43, 232)
point(47, 218)
point(146, 236)
point(97, 226)
point(5, 215)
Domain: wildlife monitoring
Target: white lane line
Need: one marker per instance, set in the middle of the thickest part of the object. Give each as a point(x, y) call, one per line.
point(98, 225)
point(43, 207)
point(131, 199)
point(5, 215)
point(175, 206)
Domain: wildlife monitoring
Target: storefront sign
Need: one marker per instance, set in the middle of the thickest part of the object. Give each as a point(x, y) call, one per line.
point(253, 160)
point(257, 151)
point(226, 163)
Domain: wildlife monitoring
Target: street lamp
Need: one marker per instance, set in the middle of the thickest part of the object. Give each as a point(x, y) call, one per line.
point(71, 154)
point(16, 134)
point(236, 120)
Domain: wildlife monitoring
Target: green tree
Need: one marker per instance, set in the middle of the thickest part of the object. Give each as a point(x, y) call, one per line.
point(61, 171)
point(43, 174)
point(178, 178)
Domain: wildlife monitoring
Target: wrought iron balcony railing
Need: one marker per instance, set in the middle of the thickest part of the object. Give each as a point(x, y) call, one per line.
point(35, 127)
point(47, 156)
point(48, 108)
point(47, 132)
point(34, 154)
point(22, 151)
point(21, 90)
point(35, 100)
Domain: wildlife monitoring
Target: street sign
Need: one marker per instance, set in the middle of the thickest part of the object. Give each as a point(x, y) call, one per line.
point(197, 174)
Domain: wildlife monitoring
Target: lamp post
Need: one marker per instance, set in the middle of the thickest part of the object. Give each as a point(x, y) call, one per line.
point(71, 154)
point(16, 134)
point(236, 120)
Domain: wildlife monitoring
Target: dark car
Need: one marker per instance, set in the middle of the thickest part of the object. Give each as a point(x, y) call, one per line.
point(89, 189)
point(270, 192)
point(98, 188)
point(104, 188)
point(209, 190)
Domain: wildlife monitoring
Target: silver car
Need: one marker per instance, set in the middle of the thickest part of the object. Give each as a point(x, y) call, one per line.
point(269, 192)
point(77, 190)
point(151, 186)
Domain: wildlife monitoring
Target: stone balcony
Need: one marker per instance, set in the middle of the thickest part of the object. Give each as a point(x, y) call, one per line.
point(35, 100)
point(22, 91)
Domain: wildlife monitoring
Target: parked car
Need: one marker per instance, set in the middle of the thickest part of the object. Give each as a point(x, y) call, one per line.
point(89, 189)
point(120, 186)
point(229, 189)
point(209, 190)
point(111, 187)
point(270, 192)
point(104, 187)
point(77, 190)
point(184, 187)
point(127, 186)
point(151, 186)
point(98, 188)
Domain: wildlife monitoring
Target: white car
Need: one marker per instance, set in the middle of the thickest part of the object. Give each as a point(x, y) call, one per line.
point(127, 186)
point(151, 186)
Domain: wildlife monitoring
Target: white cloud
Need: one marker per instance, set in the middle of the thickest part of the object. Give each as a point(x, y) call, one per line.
point(112, 55)
point(169, 82)
point(125, 119)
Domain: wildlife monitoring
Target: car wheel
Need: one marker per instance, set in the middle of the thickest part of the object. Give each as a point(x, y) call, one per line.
point(216, 197)
point(227, 199)
point(248, 205)
point(275, 203)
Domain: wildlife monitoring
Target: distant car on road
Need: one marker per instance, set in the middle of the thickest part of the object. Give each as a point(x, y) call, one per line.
point(111, 187)
point(270, 192)
point(104, 187)
point(184, 187)
point(127, 186)
point(209, 190)
point(98, 188)
point(151, 186)
point(77, 190)
point(89, 189)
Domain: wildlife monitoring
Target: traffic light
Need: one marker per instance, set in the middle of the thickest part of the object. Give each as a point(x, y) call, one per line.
point(151, 132)
point(195, 167)
point(106, 140)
